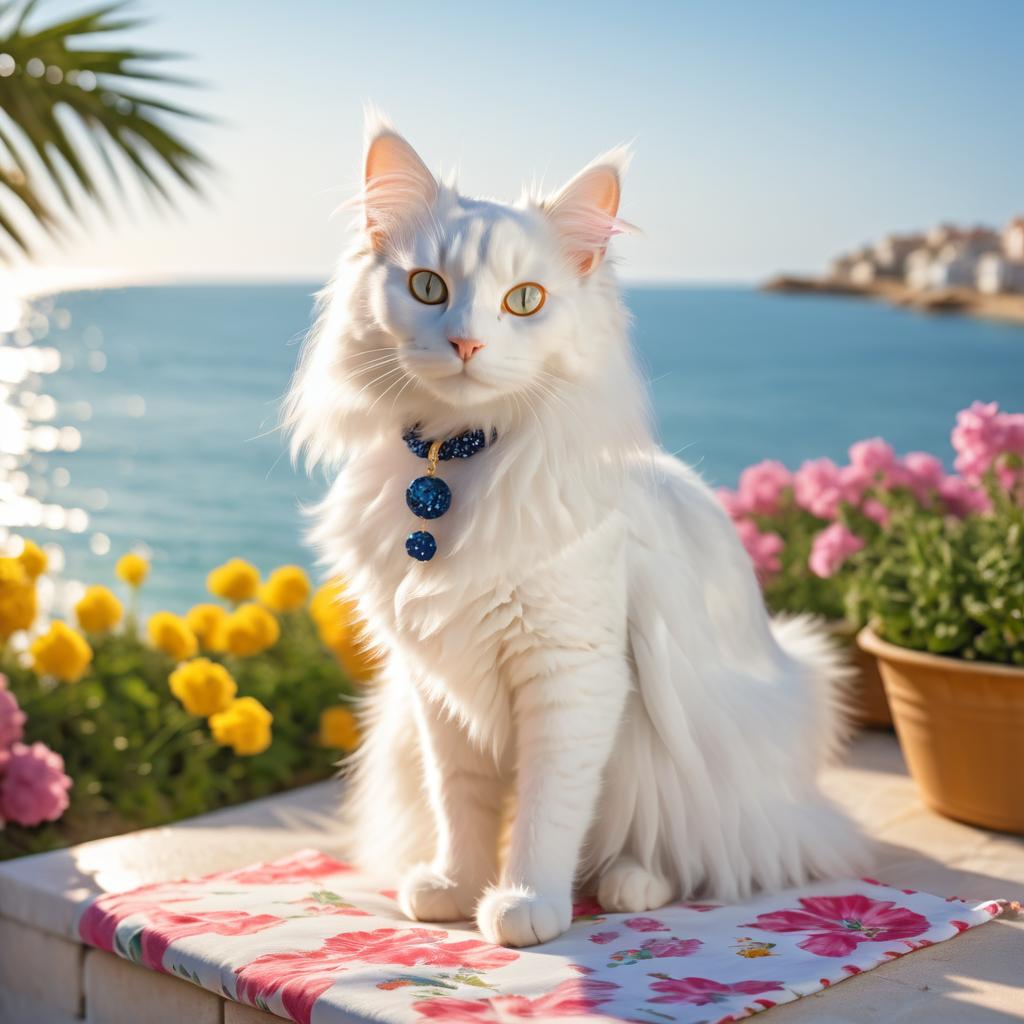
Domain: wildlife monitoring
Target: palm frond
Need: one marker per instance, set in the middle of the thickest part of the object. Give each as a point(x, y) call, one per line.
point(64, 78)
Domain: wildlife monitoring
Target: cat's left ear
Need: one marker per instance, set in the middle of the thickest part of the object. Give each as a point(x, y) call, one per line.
point(397, 187)
point(585, 211)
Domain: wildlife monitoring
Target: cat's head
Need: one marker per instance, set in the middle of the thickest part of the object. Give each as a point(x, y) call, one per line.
point(454, 311)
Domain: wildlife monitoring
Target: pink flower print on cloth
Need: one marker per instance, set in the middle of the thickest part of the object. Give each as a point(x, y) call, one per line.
point(836, 925)
point(585, 909)
point(147, 941)
point(302, 977)
point(161, 928)
point(306, 864)
point(704, 991)
point(646, 924)
point(654, 949)
point(571, 998)
point(99, 921)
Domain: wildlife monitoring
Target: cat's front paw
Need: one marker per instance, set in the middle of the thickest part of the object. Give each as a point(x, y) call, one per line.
point(520, 917)
point(428, 895)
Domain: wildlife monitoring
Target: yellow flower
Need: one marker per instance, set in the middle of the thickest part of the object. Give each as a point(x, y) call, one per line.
point(203, 686)
point(170, 634)
point(244, 726)
point(98, 610)
point(33, 559)
point(61, 652)
point(342, 632)
point(286, 589)
point(207, 622)
point(17, 598)
point(235, 581)
point(133, 569)
point(339, 728)
point(250, 629)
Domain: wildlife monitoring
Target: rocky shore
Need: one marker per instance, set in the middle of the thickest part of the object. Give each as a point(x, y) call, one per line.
point(965, 301)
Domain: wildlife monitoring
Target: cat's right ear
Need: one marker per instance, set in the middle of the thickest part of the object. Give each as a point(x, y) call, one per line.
point(397, 187)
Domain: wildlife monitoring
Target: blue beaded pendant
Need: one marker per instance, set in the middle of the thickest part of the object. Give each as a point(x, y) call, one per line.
point(421, 546)
point(428, 497)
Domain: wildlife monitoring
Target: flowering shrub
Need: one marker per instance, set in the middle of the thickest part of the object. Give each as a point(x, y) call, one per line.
point(933, 561)
point(118, 725)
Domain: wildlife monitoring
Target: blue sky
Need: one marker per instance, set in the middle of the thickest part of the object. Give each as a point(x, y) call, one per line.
point(768, 135)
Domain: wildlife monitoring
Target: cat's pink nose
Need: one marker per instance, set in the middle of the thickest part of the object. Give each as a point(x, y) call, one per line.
point(466, 347)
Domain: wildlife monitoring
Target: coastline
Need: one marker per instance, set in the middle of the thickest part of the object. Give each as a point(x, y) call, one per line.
point(963, 301)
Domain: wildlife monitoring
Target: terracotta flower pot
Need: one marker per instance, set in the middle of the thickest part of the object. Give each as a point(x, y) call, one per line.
point(867, 702)
point(961, 727)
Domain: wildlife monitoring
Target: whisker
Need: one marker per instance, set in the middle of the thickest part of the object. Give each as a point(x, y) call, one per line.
point(394, 369)
point(384, 392)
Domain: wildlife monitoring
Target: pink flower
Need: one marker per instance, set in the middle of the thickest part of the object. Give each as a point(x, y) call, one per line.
point(961, 498)
point(34, 788)
point(601, 938)
point(831, 548)
point(162, 927)
point(704, 991)
point(571, 998)
point(925, 474)
point(733, 504)
point(99, 922)
point(764, 548)
point(12, 718)
point(876, 511)
point(874, 457)
point(586, 909)
point(299, 867)
point(302, 977)
point(654, 949)
point(982, 434)
point(836, 925)
point(762, 486)
point(817, 488)
point(853, 482)
point(646, 924)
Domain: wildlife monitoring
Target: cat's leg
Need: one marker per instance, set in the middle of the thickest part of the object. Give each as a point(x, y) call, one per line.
point(465, 796)
point(628, 887)
point(566, 724)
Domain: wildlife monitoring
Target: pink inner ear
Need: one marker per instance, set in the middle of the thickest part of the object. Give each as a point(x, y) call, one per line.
point(584, 213)
point(397, 186)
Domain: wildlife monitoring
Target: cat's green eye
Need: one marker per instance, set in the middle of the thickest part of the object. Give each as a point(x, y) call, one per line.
point(524, 300)
point(428, 287)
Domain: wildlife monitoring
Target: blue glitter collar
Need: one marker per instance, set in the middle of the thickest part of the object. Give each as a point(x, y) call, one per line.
point(429, 497)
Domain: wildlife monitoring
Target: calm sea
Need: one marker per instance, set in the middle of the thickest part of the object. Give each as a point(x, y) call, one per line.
point(173, 391)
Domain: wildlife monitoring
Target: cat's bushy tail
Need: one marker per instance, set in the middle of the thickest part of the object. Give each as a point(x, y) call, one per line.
point(386, 818)
point(808, 641)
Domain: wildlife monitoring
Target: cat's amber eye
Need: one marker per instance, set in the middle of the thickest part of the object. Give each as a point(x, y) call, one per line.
point(428, 287)
point(524, 300)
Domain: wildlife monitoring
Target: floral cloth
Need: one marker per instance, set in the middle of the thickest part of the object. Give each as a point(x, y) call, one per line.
point(312, 940)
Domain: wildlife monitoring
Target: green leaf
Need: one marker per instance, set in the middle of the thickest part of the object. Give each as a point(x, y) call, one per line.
point(45, 122)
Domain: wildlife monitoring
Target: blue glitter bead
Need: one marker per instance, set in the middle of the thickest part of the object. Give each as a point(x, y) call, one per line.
point(463, 446)
point(421, 546)
point(428, 497)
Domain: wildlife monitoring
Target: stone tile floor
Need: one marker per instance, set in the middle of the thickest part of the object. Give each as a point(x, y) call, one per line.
point(46, 977)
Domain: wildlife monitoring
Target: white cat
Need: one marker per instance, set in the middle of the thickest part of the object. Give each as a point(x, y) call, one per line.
point(587, 653)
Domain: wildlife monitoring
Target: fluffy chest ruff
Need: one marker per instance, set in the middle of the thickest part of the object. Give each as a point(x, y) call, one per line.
point(519, 588)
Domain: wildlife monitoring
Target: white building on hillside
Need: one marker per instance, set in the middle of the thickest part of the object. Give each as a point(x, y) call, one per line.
point(890, 254)
point(1013, 239)
point(998, 274)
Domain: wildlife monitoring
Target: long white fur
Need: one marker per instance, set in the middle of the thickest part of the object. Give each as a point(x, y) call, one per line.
point(590, 639)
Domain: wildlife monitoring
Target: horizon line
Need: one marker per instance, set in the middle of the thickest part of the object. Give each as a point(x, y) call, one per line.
point(31, 283)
